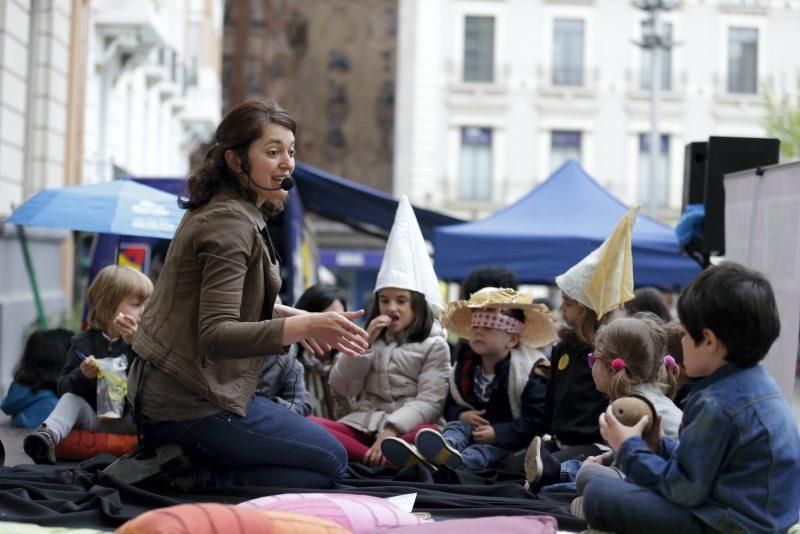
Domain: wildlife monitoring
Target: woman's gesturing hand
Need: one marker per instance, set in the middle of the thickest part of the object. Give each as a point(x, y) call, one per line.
point(337, 330)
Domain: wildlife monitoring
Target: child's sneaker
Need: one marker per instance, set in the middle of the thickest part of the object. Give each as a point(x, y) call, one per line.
point(41, 446)
point(533, 461)
point(576, 508)
point(541, 468)
point(402, 454)
point(432, 445)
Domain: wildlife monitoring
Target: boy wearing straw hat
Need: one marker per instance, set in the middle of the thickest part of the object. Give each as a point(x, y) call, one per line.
point(496, 401)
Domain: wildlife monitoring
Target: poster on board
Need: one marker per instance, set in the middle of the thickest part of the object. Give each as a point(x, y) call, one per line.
point(762, 231)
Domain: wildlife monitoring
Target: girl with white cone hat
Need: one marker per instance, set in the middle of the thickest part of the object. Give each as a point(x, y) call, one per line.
point(401, 383)
point(591, 292)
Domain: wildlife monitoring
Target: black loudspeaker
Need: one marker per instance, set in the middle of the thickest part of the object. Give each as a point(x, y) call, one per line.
point(694, 173)
point(727, 155)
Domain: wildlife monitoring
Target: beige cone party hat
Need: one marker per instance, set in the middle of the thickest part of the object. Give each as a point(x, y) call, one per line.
point(406, 263)
point(603, 280)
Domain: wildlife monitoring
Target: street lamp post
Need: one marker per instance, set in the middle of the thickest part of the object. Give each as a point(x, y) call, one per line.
point(654, 39)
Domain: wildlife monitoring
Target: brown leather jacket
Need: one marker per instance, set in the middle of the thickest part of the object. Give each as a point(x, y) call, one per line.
point(206, 324)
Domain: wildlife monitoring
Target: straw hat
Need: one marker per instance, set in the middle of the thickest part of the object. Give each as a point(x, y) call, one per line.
point(540, 328)
point(603, 280)
point(406, 263)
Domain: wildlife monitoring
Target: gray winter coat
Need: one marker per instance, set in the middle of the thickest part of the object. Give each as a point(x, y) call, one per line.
point(404, 385)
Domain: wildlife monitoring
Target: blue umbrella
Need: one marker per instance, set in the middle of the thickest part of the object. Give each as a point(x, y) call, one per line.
point(122, 207)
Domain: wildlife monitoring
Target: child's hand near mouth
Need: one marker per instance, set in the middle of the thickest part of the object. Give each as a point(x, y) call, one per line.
point(377, 325)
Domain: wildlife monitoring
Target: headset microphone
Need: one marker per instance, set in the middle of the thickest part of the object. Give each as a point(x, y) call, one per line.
point(286, 184)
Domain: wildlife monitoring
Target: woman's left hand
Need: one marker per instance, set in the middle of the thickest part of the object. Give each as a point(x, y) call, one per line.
point(338, 331)
point(312, 347)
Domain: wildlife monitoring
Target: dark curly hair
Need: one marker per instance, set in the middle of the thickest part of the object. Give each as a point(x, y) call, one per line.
point(241, 126)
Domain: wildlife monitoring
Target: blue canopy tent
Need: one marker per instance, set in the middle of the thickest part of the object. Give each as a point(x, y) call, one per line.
point(355, 204)
point(551, 228)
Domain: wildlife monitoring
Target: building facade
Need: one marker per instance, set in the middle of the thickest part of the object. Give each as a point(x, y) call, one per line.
point(155, 77)
point(493, 95)
point(91, 90)
point(332, 64)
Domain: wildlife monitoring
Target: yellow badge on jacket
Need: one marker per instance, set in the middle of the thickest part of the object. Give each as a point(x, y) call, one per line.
point(563, 362)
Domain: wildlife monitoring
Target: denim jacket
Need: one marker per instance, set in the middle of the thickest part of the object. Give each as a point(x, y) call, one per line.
point(737, 465)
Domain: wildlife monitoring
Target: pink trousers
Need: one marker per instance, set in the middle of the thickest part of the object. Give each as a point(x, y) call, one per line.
point(357, 443)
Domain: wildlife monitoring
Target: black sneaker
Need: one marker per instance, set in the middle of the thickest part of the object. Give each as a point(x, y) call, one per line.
point(41, 446)
point(402, 454)
point(432, 445)
point(167, 460)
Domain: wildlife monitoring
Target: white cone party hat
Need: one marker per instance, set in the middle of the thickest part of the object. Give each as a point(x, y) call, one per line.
point(603, 280)
point(406, 264)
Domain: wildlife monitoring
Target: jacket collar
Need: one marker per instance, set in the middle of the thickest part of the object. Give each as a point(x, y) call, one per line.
point(723, 372)
point(250, 209)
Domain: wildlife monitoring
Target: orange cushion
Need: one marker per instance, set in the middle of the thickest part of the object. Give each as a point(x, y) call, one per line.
point(80, 445)
point(212, 517)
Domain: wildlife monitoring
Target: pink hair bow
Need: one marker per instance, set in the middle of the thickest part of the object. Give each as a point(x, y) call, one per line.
point(670, 362)
point(618, 364)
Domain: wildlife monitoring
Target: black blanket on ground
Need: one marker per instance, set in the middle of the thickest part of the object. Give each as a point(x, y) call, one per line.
point(86, 497)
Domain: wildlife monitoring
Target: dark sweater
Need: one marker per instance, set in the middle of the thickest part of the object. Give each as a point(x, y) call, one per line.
point(511, 433)
point(573, 402)
point(91, 342)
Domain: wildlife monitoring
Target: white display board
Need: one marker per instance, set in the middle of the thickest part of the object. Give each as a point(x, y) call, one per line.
point(762, 231)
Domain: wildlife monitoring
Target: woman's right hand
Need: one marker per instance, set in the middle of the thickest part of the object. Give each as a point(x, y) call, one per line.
point(89, 368)
point(376, 326)
point(336, 330)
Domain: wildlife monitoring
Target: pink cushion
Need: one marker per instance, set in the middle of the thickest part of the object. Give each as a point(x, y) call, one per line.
point(522, 524)
point(358, 513)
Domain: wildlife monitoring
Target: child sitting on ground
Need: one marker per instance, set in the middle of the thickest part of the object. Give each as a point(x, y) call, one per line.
point(401, 382)
point(282, 382)
point(592, 292)
point(324, 401)
point(497, 392)
point(736, 467)
point(116, 299)
point(675, 333)
point(32, 395)
point(628, 359)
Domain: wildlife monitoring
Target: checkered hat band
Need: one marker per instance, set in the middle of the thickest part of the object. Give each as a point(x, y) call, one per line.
point(497, 321)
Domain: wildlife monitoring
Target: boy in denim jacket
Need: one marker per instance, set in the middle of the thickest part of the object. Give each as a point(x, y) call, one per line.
point(736, 467)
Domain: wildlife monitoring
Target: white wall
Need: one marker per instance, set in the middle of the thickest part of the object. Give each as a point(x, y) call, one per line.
point(34, 39)
point(609, 110)
point(14, 39)
point(136, 118)
point(142, 118)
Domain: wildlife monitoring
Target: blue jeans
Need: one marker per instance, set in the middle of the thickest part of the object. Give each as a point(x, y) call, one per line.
point(568, 475)
point(269, 446)
point(475, 456)
point(569, 470)
point(617, 505)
